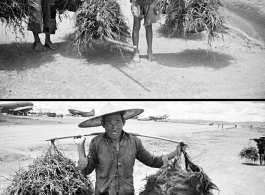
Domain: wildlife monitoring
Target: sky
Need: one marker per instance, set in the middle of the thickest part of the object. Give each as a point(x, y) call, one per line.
point(230, 111)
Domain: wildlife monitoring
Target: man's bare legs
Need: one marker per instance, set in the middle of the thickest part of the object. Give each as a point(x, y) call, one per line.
point(135, 38)
point(37, 43)
point(48, 42)
point(149, 39)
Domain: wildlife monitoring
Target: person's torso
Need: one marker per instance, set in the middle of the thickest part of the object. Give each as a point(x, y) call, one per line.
point(114, 172)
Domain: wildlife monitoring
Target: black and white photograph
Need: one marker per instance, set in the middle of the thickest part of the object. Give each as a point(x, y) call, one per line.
point(132, 147)
point(162, 49)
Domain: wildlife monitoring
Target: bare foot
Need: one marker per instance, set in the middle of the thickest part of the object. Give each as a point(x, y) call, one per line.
point(136, 58)
point(37, 46)
point(150, 56)
point(51, 45)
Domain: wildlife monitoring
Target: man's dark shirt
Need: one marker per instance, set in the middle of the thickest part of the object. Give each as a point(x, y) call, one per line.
point(114, 170)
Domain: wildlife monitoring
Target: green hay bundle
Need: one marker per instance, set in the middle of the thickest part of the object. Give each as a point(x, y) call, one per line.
point(51, 174)
point(192, 16)
point(100, 20)
point(249, 154)
point(14, 12)
point(171, 179)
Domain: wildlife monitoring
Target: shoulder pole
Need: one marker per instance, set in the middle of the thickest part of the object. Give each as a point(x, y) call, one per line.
point(98, 133)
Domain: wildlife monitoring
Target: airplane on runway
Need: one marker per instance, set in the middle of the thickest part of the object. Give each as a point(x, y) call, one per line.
point(16, 108)
point(159, 118)
point(154, 118)
point(81, 113)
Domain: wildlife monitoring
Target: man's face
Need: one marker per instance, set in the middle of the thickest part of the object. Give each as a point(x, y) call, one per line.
point(114, 125)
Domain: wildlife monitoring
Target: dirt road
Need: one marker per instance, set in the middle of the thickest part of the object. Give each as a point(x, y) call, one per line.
point(231, 68)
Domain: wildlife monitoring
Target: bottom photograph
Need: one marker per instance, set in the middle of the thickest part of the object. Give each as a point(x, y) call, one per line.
point(132, 147)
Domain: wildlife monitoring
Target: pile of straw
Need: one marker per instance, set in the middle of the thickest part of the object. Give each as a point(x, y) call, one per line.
point(52, 173)
point(14, 12)
point(173, 179)
point(249, 154)
point(191, 16)
point(67, 5)
point(100, 20)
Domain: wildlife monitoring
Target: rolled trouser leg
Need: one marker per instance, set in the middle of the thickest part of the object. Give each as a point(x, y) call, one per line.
point(35, 23)
point(49, 16)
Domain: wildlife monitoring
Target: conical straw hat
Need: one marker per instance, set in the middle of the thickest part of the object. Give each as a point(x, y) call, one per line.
point(110, 109)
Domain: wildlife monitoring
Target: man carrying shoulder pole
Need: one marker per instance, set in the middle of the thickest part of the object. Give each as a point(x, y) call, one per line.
point(112, 154)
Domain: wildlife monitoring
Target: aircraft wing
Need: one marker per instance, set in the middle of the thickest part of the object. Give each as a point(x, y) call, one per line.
point(23, 108)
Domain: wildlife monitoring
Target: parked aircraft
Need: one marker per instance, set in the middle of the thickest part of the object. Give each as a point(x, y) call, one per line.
point(159, 118)
point(144, 118)
point(16, 108)
point(154, 118)
point(81, 113)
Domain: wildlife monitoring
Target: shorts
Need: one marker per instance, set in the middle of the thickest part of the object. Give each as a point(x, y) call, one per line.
point(261, 151)
point(148, 12)
point(43, 17)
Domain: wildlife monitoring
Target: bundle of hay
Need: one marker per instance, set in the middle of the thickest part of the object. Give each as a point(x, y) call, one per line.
point(249, 154)
point(100, 20)
point(14, 13)
point(67, 5)
point(53, 174)
point(191, 16)
point(172, 179)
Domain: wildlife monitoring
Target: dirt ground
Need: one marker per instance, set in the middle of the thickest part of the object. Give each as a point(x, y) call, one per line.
point(215, 150)
point(231, 68)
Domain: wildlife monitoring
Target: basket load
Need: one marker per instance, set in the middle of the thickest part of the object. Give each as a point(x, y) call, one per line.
point(250, 154)
point(172, 179)
point(100, 20)
point(52, 173)
point(191, 16)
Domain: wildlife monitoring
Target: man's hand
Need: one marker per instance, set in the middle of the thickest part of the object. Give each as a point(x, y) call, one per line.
point(176, 152)
point(178, 149)
point(80, 143)
point(80, 140)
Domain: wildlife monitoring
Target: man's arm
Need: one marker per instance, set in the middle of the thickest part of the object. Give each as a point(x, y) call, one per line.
point(154, 161)
point(86, 164)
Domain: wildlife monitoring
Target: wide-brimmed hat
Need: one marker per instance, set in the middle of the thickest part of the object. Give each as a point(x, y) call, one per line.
point(110, 109)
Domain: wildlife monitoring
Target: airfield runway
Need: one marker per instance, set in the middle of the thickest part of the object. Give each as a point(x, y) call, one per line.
point(215, 150)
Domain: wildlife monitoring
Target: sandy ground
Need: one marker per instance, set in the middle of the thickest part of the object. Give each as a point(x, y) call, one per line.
point(231, 68)
point(215, 150)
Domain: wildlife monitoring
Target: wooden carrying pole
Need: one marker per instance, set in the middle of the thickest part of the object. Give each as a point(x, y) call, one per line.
point(98, 133)
point(120, 43)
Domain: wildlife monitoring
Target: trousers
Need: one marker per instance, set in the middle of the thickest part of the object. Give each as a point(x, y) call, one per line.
point(42, 17)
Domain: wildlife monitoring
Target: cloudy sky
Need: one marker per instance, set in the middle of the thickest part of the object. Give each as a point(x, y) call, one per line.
point(230, 111)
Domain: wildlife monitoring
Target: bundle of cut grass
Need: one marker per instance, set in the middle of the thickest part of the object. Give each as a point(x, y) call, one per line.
point(67, 5)
point(100, 20)
point(249, 154)
point(191, 16)
point(14, 12)
point(162, 6)
point(52, 173)
point(172, 179)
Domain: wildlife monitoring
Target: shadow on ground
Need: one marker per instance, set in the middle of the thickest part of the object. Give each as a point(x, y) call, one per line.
point(195, 58)
point(165, 32)
point(251, 164)
point(20, 56)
